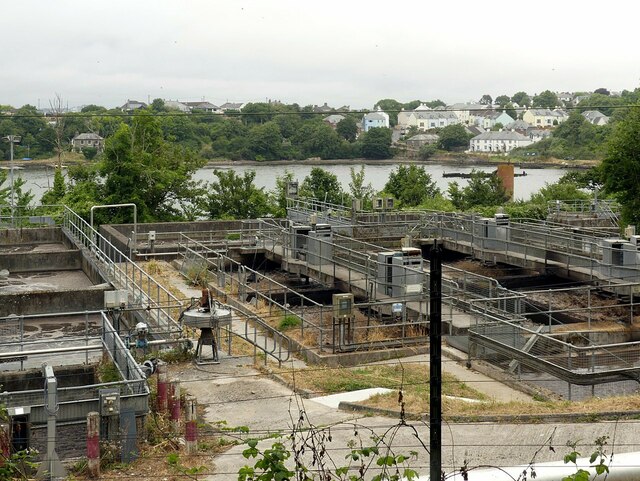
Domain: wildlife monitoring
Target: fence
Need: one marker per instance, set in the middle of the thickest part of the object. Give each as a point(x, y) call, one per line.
point(143, 290)
point(75, 402)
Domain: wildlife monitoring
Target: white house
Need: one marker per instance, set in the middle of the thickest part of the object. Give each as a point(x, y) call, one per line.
point(467, 112)
point(375, 119)
point(501, 141)
point(176, 105)
point(595, 117)
point(232, 106)
point(333, 120)
point(203, 106)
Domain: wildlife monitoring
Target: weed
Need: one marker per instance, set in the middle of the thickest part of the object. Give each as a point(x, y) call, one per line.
point(289, 321)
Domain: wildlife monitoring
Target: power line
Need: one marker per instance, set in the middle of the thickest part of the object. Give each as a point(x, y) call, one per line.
point(142, 112)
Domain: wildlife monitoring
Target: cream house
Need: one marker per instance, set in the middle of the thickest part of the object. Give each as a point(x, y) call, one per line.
point(544, 117)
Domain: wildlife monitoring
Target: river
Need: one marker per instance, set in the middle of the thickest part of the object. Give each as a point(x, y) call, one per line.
point(39, 179)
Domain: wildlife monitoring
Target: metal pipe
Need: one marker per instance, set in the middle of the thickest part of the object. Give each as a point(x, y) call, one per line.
point(5, 355)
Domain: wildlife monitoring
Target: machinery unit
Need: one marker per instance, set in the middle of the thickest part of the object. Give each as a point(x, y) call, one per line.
point(343, 320)
point(491, 233)
point(400, 272)
point(319, 245)
point(209, 317)
point(298, 241)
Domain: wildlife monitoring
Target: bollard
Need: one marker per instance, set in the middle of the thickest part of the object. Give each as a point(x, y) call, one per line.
point(161, 404)
point(191, 429)
point(5, 443)
point(93, 444)
point(174, 406)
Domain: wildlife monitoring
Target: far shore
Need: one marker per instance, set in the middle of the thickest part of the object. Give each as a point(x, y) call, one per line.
point(458, 160)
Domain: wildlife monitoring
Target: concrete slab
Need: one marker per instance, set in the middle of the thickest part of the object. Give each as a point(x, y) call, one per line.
point(28, 282)
point(334, 400)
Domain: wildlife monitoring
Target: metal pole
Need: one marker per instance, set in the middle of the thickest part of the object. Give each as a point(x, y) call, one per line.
point(162, 387)
point(435, 355)
point(93, 444)
point(191, 429)
point(174, 389)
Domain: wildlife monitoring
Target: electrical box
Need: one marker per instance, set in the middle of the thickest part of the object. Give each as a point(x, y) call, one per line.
point(115, 299)
point(109, 402)
point(292, 189)
point(630, 231)
point(342, 305)
point(151, 236)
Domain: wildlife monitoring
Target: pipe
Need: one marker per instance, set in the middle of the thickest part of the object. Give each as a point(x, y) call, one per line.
point(623, 467)
point(5, 355)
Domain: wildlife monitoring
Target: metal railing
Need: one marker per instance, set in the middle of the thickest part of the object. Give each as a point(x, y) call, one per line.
point(124, 273)
point(75, 402)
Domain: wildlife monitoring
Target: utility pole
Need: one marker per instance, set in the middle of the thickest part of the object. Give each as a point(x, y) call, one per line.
point(12, 139)
point(435, 363)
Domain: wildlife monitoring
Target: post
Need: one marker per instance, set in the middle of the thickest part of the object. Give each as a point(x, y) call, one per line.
point(174, 388)
point(5, 443)
point(161, 404)
point(191, 429)
point(435, 359)
point(93, 444)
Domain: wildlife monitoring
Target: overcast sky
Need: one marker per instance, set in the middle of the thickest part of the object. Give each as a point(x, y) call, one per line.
point(335, 51)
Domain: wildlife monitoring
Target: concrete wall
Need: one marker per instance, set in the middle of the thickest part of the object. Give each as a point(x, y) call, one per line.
point(31, 235)
point(119, 234)
point(41, 261)
point(32, 379)
point(76, 300)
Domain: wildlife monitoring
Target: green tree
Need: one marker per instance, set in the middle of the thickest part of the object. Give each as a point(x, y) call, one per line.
point(357, 187)
point(521, 98)
point(503, 100)
point(621, 165)
point(511, 111)
point(318, 139)
point(265, 142)
point(278, 196)
point(481, 190)
point(158, 105)
point(411, 185)
point(427, 151)
point(236, 197)
point(432, 104)
point(322, 185)
point(347, 129)
point(453, 137)
point(139, 166)
point(376, 143)
point(486, 99)
point(57, 192)
point(546, 100)
point(89, 153)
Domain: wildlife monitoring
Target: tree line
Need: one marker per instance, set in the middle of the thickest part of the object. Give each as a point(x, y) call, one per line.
point(261, 131)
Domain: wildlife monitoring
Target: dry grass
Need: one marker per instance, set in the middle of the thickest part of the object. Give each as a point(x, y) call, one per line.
point(413, 377)
point(415, 381)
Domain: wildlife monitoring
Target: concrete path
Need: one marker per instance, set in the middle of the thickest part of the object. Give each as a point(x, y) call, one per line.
point(240, 396)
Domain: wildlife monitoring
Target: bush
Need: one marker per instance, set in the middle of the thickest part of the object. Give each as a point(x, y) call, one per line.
point(89, 153)
point(289, 321)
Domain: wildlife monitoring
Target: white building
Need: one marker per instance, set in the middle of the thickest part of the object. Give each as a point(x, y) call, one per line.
point(501, 141)
point(375, 119)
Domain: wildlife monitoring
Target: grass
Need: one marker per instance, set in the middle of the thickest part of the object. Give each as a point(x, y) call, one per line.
point(415, 381)
point(413, 377)
point(289, 321)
